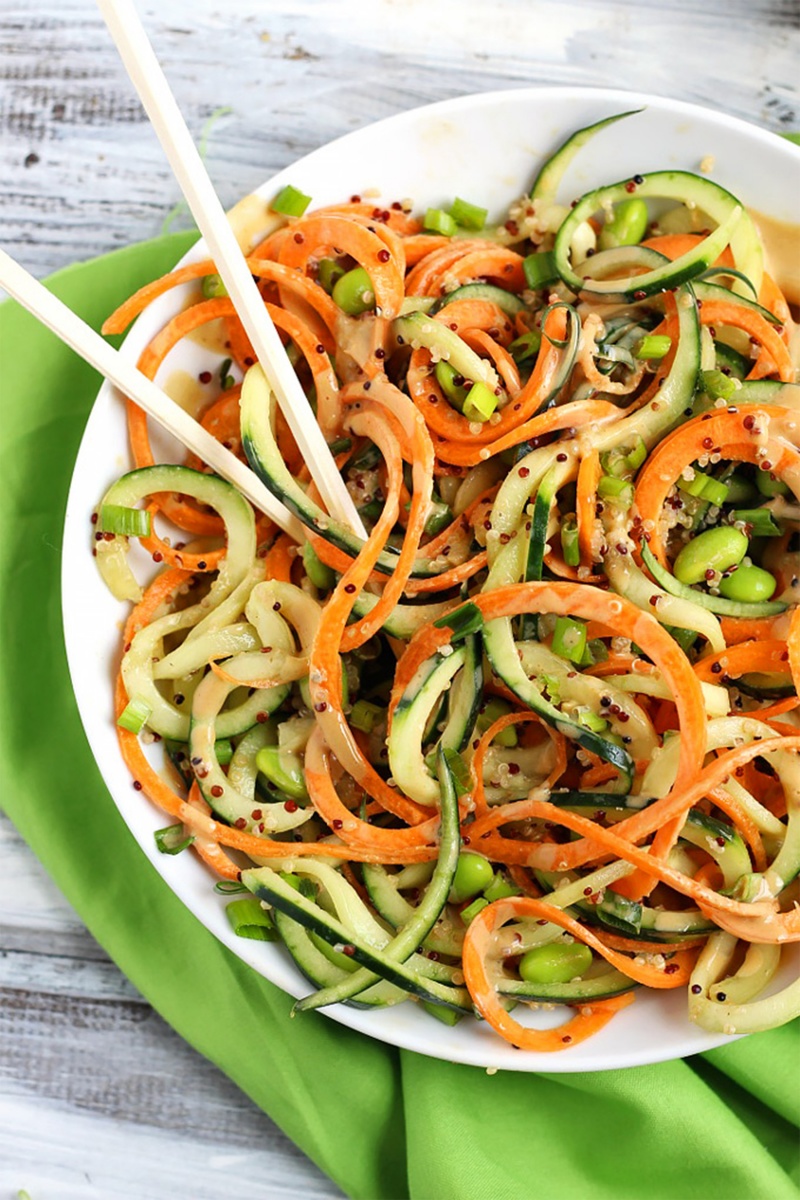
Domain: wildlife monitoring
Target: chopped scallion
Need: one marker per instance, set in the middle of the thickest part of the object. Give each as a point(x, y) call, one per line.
point(134, 716)
point(172, 839)
point(569, 541)
point(500, 889)
point(436, 220)
point(290, 202)
point(451, 383)
point(123, 521)
point(526, 346)
point(716, 385)
point(761, 521)
point(249, 920)
point(470, 216)
point(569, 639)
point(479, 403)
point(365, 715)
point(617, 491)
point(653, 346)
point(472, 910)
point(540, 269)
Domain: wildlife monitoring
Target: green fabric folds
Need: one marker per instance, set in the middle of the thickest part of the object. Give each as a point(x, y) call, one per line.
point(719, 1126)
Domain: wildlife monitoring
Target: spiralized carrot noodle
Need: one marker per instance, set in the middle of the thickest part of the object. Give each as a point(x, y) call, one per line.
point(535, 737)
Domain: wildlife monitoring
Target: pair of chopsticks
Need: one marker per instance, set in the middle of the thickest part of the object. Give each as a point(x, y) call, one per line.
point(154, 91)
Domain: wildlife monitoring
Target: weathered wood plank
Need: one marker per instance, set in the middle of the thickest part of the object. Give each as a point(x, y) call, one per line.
point(98, 1095)
point(81, 172)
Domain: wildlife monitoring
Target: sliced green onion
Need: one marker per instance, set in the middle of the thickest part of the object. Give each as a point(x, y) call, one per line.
point(320, 574)
point(446, 377)
point(618, 491)
point(440, 515)
point(500, 889)
point(552, 686)
point(592, 721)
point(134, 716)
point(126, 522)
point(480, 402)
point(792, 137)
point(339, 445)
point(172, 839)
point(761, 521)
point(569, 639)
point(225, 378)
point(705, 487)
point(284, 770)
point(229, 887)
point(249, 920)
point(213, 287)
point(290, 202)
point(470, 216)
point(365, 715)
point(540, 269)
point(569, 541)
point(492, 711)
point(714, 491)
point(653, 345)
point(526, 346)
point(716, 385)
point(329, 272)
point(472, 910)
point(464, 621)
point(637, 455)
point(436, 220)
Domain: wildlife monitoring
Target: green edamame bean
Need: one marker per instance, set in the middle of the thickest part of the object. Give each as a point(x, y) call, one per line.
point(769, 486)
point(354, 292)
point(473, 874)
point(329, 272)
point(627, 227)
point(715, 550)
point(556, 963)
point(748, 584)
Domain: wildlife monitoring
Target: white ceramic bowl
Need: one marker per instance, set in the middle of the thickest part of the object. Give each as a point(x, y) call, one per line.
point(486, 148)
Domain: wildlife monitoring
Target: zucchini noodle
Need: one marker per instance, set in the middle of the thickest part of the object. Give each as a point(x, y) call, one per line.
point(535, 740)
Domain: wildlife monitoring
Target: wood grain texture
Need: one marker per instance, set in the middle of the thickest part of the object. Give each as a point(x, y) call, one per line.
point(81, 172)
point(98, 1097)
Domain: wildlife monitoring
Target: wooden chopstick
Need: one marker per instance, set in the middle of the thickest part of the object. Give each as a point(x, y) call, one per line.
point(150, 82)
point(67, 325)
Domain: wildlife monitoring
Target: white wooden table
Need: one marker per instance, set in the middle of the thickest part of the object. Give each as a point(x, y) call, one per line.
point(81, 173)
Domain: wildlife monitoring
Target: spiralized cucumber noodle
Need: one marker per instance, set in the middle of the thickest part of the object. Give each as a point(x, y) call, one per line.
point(534, 741)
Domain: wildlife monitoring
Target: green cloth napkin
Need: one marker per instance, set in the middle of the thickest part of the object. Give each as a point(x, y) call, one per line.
point(384, 1124)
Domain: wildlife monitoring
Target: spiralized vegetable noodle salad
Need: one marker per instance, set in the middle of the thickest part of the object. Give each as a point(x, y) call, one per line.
point(535, 741)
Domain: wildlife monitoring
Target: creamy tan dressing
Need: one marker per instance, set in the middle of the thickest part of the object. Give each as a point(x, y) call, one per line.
point(782, 261)
point(186, 390)
point(252, 221)
point(212, 336)
point(781, 252)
